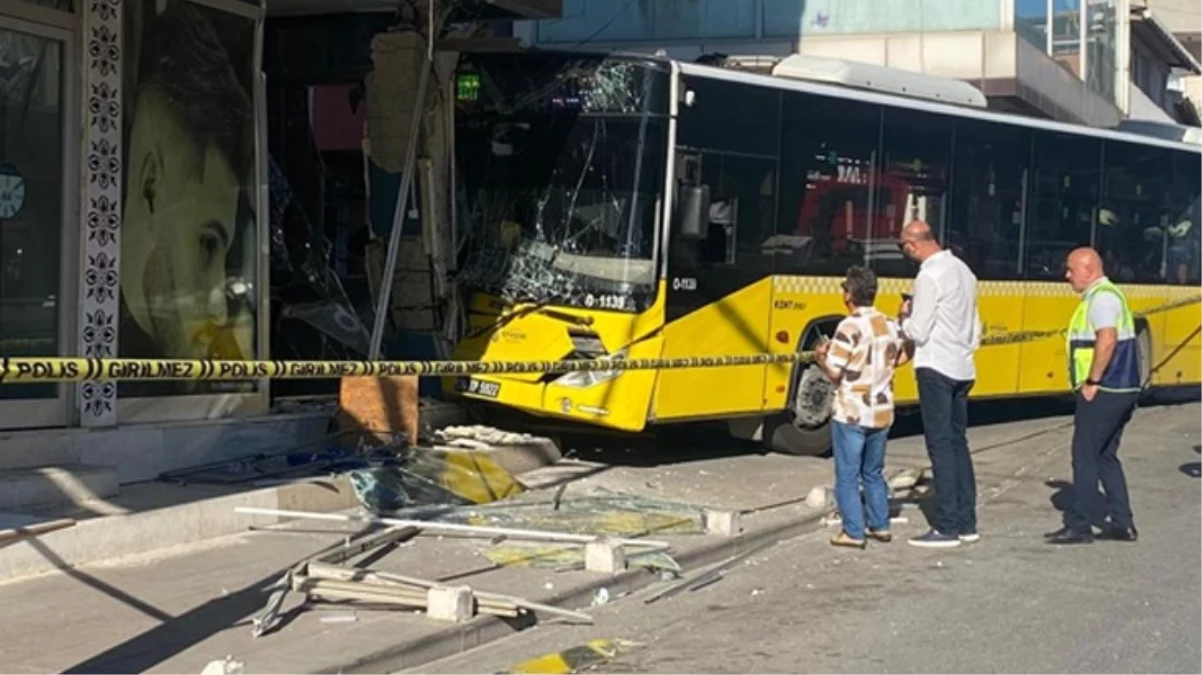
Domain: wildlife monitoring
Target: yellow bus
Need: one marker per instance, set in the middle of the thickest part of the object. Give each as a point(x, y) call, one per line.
point(621, 206)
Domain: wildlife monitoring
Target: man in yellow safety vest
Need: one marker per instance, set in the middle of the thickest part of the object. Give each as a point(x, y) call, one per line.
point(1103, 363)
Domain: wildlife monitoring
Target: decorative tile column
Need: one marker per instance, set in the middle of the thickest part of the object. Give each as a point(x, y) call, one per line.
point(101, 205)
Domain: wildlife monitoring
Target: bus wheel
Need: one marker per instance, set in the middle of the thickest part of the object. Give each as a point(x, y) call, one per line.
point(804, 429)
point(1143, 339)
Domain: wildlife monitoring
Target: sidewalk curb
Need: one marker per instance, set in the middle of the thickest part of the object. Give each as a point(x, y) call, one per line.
point(483, 630)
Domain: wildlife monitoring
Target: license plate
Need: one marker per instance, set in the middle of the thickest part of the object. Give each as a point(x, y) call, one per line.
point(476, 387)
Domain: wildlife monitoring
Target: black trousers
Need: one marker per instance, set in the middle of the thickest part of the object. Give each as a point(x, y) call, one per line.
point(944, 405)
point(1097, 429)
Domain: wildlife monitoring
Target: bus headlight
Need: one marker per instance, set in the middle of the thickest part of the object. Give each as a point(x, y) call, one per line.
point(582, 379)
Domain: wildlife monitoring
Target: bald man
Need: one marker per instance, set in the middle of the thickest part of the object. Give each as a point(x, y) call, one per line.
point(1104, 373)
point(944, 326)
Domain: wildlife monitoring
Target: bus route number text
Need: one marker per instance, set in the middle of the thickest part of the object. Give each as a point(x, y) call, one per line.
point(606, 301)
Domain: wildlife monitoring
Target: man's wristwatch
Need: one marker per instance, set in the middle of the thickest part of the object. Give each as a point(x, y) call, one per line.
point(1092, 382)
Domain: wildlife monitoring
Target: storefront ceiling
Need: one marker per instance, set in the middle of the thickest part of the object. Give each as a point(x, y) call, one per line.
point(466, 10)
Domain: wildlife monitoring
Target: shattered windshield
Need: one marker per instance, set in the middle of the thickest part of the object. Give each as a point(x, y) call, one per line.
point(559, 193)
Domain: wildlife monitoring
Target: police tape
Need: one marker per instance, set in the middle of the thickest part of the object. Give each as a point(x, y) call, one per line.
point(19, 370)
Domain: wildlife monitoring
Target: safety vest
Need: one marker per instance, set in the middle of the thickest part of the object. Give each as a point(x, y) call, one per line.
point(1122, 373)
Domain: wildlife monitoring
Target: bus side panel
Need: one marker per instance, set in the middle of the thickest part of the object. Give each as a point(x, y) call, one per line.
point(1048, 307)
point(1181, 323)
point(735, 324)
point(1000, 305)
point(796, 301)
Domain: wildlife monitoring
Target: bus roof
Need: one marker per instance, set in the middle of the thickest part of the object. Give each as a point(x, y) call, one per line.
point(836, 91)
point(792, 82)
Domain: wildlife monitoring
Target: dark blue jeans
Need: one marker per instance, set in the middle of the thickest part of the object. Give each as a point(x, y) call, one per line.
point(860, 456)
point(944, 404)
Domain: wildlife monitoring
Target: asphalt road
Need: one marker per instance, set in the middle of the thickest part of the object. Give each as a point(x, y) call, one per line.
point(1009, 603)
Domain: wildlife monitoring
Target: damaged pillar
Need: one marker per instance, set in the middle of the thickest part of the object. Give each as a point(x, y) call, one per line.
point(381, 407)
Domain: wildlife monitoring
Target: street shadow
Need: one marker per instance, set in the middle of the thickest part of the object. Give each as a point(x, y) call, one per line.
point(1062, 499)
point(1192, 469)
point(988, 413)
point(178, 633)
point(96, 584)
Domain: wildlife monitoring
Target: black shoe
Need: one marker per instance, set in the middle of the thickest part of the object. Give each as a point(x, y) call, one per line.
point(1128, 534)
point(1058, 533)
point(1067, 535)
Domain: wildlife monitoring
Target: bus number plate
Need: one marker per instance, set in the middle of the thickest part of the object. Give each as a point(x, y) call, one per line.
point(470, 385)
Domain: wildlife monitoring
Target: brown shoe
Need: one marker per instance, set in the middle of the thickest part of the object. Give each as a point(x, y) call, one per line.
point(883, 536)
point(842, 539)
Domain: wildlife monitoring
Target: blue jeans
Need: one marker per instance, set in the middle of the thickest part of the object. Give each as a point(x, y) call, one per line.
point(860, 455)
point(944, 404)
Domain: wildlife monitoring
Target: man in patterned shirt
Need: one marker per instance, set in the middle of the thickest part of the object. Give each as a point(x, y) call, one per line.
point(860, 360)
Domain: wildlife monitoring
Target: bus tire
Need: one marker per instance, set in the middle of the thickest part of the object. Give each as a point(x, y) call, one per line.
point(804, 428)
point(783, 436)
point(1143, 340)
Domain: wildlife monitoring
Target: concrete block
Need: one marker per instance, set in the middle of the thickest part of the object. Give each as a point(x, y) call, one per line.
point(905, 479)
point(722, 522)
point(450, 603)
point(821, 497)
point(604, 556)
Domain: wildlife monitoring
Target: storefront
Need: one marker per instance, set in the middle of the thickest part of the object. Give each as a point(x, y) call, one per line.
point(134, 222)
point(132, 181)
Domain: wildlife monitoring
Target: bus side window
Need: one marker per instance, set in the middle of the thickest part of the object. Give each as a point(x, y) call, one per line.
point(1064, 198)
point(986, 214)
point(1184, 255)
point(742, 207)
point(1134, 215)
point(829, 173)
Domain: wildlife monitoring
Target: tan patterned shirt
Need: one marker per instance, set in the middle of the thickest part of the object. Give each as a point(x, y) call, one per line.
point(863, 353)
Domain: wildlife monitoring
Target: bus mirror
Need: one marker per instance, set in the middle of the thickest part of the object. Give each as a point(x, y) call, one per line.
point(694, 211)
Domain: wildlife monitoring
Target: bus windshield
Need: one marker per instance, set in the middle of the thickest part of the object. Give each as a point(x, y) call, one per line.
point(560, 174)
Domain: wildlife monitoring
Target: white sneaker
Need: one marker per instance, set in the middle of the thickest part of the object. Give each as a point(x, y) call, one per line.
point(971, 537)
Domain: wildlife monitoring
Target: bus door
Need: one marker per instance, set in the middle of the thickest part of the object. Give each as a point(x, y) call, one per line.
point(719, 285)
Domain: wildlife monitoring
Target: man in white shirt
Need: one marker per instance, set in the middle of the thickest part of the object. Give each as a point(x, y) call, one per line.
point(943, 323)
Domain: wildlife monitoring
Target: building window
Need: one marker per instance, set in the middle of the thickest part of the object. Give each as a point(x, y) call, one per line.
point(188, 238)
point(31, 202)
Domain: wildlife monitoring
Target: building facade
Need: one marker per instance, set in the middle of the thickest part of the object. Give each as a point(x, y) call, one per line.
point(1060, 59)
point(1166, 73)
point(134, 219)
point(135, 222)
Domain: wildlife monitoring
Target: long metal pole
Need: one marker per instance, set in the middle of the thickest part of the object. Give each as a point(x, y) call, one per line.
point(435, 526)
point(398, 216)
